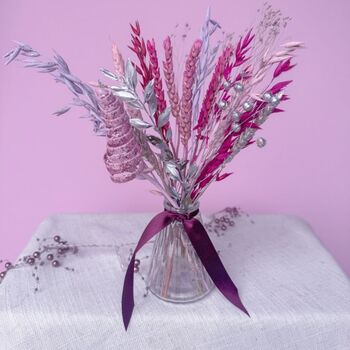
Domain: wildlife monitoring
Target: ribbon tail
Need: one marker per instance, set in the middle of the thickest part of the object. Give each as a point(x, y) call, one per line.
point(155, 225)
point(211, 261)
point(128, 293)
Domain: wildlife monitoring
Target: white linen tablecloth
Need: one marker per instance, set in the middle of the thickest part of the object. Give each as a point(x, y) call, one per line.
point(296, 294)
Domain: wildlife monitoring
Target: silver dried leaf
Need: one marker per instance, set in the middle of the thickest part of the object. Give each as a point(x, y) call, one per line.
point(169, 134)
point(12, 55)
point(109, 74)
point(119, 88)
point(64, 74)
point(182, 164)
point(154, 140)
point(174, 194)
point(164, 117)
point(149, 91)
point(126, 95)
point(130, 75)
point(152, 104)
point(171, 169)
point(61, 111)
point(139, 124)
point(60, 60)
point(30, 54)
point(135, 104)
point(166, 153)
point(192, 170)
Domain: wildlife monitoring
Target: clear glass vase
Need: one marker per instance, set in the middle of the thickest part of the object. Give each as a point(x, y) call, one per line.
point(176, 273)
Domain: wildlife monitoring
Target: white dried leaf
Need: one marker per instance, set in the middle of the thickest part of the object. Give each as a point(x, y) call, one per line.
point(293, 44)
point(281, 53)
point(275, 59)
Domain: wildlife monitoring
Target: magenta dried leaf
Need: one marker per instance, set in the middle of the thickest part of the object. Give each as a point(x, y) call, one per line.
point(279, 86)
point(283, 66)
point(223, 176)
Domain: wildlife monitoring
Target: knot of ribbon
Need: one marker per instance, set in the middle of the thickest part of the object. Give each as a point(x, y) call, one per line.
point(201, 244)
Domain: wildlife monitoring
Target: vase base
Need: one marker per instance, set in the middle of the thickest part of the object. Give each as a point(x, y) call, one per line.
point(182, 300)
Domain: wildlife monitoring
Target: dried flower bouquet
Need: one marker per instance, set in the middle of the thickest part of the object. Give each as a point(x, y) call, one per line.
point(178, 129)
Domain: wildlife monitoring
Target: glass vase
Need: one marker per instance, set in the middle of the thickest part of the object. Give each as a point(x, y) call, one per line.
point(176, 273)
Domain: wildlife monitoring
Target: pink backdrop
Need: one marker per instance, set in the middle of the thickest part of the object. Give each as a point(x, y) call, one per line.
point(54, 165)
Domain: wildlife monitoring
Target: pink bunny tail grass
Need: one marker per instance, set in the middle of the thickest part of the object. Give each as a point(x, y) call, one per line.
point(123, 157)
point(168, 69)
point(214, 85)
point(158, 86)
point(118, 60)
point(185, 122)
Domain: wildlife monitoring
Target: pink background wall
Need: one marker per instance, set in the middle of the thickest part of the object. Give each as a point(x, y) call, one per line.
point(52, 165)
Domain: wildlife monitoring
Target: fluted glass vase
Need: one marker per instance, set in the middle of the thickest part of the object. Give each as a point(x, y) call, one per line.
point(176, 273)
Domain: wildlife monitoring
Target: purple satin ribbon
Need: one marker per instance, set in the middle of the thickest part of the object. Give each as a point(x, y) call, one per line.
point(201, 244)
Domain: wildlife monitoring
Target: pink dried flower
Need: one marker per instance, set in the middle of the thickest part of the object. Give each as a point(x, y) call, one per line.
point(123, 158)
point(209, 99)
point(187, 87)
point(168, 69)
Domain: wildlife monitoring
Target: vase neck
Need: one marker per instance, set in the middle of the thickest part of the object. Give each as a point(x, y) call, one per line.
point(183, 209)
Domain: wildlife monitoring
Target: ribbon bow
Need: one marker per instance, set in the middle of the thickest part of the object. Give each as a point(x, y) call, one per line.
point(204, 249)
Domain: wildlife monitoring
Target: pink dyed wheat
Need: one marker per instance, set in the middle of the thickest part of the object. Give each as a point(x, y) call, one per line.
point(158, 87)
point(168, 69)
point(187, 87)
